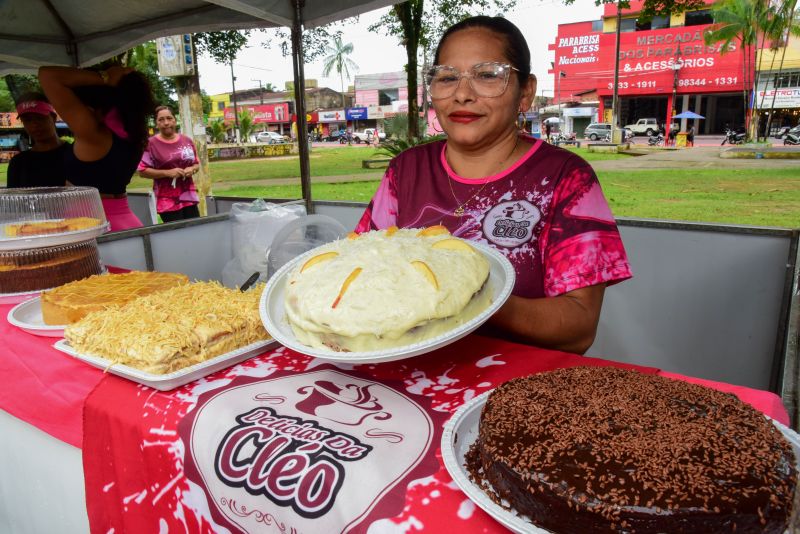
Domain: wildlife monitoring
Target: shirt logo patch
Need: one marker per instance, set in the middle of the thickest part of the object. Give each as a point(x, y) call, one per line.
point(510, 224)
point(187, 154)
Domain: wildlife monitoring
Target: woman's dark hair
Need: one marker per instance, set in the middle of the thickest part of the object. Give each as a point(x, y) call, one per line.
point(132, 98)
point(159, 109)
point(516, 50)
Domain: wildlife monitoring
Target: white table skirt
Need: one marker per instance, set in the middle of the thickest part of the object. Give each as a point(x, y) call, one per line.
point(41, 482)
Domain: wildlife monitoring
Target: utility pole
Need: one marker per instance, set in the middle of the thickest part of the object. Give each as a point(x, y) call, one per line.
point(615, 135)
point(676, 68)
point(235, 105)
point(260, 90)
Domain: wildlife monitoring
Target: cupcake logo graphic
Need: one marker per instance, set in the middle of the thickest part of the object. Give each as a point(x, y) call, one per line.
point(510, 224)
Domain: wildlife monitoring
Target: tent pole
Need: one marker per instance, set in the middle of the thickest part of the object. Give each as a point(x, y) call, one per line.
point(300, 102)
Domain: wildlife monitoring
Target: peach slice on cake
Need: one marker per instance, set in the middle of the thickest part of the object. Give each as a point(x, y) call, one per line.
point(352, 235)
point(347, 281)
point(423, 268)
point(390, 231)
point(453, 244)
point(317, 259)
point(433, 230)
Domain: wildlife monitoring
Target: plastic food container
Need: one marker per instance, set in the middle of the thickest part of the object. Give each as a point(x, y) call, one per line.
point(49, 216)
point(32, 270)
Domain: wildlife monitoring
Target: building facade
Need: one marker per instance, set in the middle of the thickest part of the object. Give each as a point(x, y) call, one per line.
point(665, 67)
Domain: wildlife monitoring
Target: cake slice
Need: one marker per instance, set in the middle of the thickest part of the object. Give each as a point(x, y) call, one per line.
point(73, 301)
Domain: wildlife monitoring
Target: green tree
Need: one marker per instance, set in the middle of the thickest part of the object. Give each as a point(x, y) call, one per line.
point(6, 101)
point(217, 130)
point(246, 126)
point(788, 24)
point(337, 60)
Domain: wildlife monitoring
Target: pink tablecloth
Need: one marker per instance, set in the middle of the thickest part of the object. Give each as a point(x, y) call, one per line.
point(144, 452)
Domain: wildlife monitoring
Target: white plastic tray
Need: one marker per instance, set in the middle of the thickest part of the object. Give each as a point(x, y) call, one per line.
point(50, 240)
point(501, 280)
point(28, 317)
point(177, 378)
point(461, 431)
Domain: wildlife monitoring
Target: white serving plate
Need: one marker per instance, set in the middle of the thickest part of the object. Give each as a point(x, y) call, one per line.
point(174, 379)
point(15, 298)
point(28, 317)
point(50, 240)
point(501, 280)
point(461, 431)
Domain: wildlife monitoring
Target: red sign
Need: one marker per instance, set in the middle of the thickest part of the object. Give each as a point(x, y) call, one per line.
point(265, 113)
point(650, 62)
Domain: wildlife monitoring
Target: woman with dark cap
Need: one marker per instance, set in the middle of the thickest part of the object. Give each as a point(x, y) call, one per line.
point(43, 164)
point(107, 114)
point(539, 205)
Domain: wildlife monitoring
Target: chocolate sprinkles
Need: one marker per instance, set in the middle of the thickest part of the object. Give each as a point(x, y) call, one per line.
point(598, 449)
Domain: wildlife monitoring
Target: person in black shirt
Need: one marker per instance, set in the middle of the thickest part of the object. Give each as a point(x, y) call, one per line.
point(43, 164)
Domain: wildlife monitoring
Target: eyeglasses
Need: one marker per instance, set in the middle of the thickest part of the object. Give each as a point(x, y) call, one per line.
point(488, 79)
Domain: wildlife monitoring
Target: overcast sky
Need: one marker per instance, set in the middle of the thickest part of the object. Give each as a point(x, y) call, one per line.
point(373, 53)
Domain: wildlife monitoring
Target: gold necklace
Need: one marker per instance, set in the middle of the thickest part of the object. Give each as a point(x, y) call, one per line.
point(459, 211)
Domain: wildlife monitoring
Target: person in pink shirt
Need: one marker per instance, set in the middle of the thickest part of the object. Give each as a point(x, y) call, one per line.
point(170, 160)
point(539, 205)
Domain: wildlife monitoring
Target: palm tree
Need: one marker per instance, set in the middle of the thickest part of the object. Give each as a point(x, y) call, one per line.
point(739, 20)
point(337, 59)
point(789, 26)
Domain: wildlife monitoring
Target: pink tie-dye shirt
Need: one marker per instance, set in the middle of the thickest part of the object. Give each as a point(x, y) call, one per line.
point(546, 214)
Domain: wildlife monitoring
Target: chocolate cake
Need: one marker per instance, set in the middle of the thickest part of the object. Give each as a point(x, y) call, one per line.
point(590, 449)
point(31, 270)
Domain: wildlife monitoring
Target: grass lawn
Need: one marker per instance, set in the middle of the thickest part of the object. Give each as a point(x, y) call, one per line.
point(769, 197)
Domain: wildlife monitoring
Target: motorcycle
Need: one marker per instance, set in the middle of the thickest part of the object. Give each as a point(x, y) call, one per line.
point(656, 140)
point(733, 137)
point(782, 132)
point(792, 136)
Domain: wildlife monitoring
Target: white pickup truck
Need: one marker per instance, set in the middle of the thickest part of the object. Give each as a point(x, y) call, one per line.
point(367, 136)
point(644, 127)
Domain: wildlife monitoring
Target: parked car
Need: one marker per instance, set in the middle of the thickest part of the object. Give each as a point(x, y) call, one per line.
point(271, 138)
point(366, 136)
point(335, 135)
point(597, 130)
point(647, 127)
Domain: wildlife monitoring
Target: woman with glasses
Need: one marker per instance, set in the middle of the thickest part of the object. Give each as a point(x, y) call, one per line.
point(538, 204)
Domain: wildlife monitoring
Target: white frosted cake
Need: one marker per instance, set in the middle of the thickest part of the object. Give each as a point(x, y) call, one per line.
point(385, 289)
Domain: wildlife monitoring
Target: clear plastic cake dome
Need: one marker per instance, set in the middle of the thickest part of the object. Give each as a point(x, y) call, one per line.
point(49, 216)
point(32, 270)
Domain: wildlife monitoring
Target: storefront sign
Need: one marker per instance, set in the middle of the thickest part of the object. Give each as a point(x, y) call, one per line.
point(332, 116)
point(579, 112)
point(356, 114)
point(266, 113)
point(650, 62)
point(9, 120)
point(788, 97)
point(377, 112)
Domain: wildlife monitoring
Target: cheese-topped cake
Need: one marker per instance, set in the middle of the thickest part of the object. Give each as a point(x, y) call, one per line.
point(172, 329)
point(71, 302)
point(34, 228)
point(599, 449)
point(384, 289)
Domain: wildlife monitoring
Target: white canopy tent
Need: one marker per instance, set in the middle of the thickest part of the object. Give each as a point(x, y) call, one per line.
point(85, 32)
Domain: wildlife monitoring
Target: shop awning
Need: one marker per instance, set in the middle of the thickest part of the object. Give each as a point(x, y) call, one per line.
point(84, 32)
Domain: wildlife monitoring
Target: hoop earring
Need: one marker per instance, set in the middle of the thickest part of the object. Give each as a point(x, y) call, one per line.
point(434, 123)
point(521, 121)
